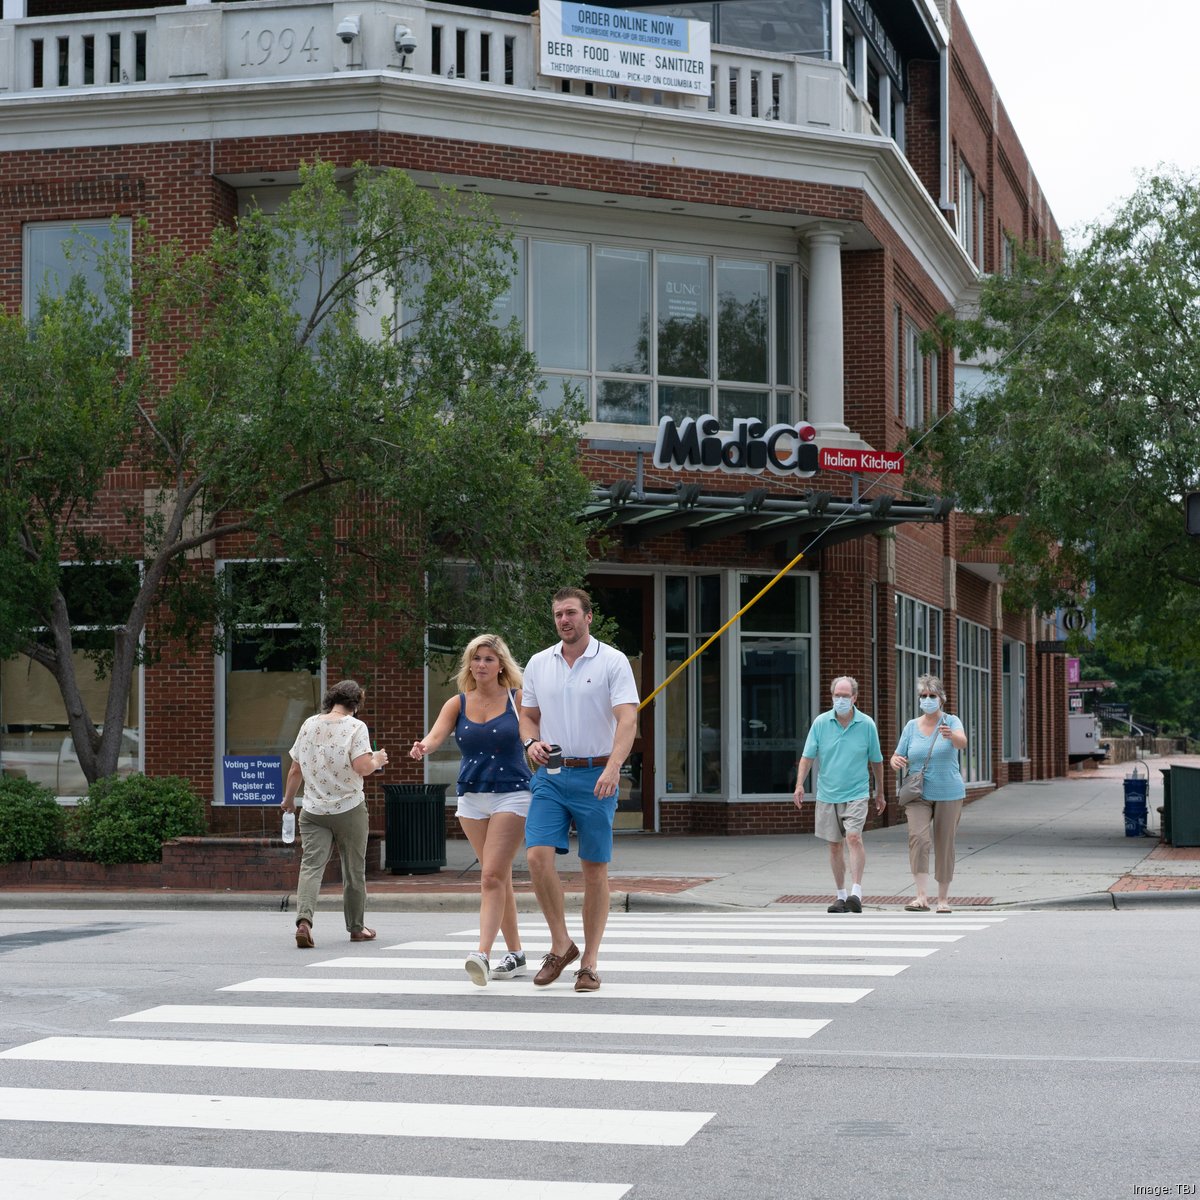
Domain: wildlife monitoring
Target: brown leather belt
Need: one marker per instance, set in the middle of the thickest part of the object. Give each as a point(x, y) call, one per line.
point(586, 762)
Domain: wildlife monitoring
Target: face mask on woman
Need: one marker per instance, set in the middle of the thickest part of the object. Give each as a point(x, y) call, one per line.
point(929, 704)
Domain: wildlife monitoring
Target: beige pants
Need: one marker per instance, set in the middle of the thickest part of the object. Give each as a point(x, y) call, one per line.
point(318, 833)
point(943, 816)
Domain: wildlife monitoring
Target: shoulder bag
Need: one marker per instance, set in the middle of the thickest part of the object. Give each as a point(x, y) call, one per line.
point(913, 787)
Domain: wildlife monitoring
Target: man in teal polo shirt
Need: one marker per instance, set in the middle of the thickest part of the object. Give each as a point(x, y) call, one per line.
point(845, 743)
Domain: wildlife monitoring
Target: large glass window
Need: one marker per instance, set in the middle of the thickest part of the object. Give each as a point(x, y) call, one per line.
point(975, 699)
point(35, 741)
point(743, 320)
point(623, 296)
point(918, 652)
point(1013, 744)
point(797, 27)
point(694, 716)
point(684, 315)
point(272, 667)
point(966, 209)
point(914, 377)
point(775, 657)
point(55, 252)
point(666, 329)
point(559, 285)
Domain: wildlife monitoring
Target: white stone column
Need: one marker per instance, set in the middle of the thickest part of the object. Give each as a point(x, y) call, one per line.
point(13, 10)
point(824, 334)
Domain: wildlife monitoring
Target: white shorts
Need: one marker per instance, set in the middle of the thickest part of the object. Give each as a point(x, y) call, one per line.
point(478, 806)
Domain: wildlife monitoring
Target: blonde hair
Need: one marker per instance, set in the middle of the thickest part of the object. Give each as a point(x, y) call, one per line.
point(931, 683)
point(510, 673)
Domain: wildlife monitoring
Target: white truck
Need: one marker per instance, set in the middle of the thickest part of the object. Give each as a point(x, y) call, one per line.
point(1083, 739)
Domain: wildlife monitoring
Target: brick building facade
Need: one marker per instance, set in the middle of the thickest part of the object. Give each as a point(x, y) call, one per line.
point(848, 194)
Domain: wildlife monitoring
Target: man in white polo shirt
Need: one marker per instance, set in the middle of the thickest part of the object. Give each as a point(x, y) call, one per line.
point(579, 695)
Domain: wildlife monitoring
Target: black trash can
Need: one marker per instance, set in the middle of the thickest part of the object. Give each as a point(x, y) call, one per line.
point(1165, 824)
point(414, 828)
point(1185, 805)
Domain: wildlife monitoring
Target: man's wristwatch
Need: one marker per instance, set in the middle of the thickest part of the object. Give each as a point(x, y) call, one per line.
point(527, 743)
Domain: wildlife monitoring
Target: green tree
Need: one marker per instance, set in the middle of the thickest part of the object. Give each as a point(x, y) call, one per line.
point(1080, 447)
point(327, 386)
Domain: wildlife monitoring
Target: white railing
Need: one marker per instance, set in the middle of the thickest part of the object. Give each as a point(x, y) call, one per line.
point(275, 39)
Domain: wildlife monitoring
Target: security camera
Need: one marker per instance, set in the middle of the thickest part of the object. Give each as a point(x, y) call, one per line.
point(406, 43)
point(347, 29)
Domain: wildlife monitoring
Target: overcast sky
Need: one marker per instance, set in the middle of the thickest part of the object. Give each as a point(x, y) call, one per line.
point(1097, 90)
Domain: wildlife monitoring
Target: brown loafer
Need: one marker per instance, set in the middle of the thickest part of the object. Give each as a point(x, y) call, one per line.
point(586, 980)
point(553, 964)
point(362, 935)
point(304, 938)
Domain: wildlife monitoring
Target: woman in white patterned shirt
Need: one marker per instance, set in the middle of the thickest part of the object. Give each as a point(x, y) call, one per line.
point(332, 755)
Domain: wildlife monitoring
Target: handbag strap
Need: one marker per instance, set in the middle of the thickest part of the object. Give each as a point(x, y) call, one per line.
point(932, 743)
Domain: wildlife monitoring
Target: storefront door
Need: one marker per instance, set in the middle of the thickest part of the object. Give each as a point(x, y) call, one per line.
point(628, 601)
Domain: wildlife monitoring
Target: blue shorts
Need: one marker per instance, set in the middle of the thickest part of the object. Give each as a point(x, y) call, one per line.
point(570, 795)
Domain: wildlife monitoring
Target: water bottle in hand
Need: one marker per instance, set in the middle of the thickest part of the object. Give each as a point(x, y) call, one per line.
point(289, 827)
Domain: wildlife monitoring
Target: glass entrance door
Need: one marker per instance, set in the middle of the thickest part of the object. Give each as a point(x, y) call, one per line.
point(628, 601)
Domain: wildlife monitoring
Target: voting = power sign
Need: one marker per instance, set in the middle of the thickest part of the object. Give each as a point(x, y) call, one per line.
point(624, 48)
point(253, 780)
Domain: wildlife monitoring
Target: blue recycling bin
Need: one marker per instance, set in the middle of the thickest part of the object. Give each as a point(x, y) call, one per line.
point(1137, 790)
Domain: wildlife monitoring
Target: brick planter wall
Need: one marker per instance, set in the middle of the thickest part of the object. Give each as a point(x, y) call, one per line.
point(189, 864)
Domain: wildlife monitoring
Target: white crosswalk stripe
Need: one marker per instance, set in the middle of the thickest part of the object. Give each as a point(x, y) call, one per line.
point(563, 988)
point(491, 1122)
point(487, 1020)
point(710, 953)
point(42, 1179)
point(660, 997)
point(664, 967)
point(399, 1060)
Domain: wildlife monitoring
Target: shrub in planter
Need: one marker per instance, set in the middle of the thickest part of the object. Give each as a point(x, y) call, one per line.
point(31, 821)
point(127, 820)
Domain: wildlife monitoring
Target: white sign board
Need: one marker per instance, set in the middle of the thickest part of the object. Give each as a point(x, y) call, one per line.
point(625, 48)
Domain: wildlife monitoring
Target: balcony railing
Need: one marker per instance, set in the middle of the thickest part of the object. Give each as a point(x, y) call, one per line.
point(274, 39)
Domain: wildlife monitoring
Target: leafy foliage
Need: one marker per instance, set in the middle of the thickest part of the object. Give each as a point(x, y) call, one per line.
point(31, 821)
point(1082, 446)
point(127, 820)
point(325, 387)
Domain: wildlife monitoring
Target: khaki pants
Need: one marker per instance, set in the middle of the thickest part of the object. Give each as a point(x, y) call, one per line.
point(318, 833)
point(943, 815)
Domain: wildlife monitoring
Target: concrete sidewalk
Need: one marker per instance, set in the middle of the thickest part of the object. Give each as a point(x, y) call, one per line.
point(1059, 842)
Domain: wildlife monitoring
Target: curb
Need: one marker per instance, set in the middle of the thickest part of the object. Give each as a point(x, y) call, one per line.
point(468, 902)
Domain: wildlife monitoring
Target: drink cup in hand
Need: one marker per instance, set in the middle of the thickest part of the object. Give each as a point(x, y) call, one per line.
point(553, 760)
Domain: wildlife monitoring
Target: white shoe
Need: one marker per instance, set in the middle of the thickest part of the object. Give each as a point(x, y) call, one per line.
point(513, 963)
point(478, 967)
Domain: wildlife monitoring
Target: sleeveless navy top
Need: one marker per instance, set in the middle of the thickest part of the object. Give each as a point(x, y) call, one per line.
point(492, 757)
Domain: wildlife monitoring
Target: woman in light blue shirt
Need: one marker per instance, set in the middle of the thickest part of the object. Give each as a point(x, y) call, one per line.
point(937, 736)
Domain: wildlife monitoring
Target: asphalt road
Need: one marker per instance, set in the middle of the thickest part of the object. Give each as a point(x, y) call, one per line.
point(787, 1054)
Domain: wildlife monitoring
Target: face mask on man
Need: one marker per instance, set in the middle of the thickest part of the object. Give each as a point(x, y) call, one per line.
point(842, 705)
point(929, 704)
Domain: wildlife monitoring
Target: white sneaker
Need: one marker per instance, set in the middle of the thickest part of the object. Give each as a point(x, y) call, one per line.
point(478, 967)
point(513, 963)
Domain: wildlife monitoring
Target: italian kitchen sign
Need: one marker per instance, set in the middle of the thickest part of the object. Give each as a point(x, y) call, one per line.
point(620, 47)
point(863, 462)
point(697, 444)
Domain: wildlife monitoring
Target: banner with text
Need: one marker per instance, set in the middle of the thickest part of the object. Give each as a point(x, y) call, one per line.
point(621, 47)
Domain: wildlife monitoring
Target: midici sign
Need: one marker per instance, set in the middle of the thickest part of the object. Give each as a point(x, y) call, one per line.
point(695, 444)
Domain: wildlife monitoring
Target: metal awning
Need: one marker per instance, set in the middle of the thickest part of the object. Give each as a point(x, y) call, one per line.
point(762, 519)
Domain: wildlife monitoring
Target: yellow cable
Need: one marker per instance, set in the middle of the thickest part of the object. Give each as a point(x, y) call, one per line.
point(695, 654)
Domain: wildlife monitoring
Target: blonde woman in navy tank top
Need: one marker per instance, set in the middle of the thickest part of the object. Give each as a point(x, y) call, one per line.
point(493, 790)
